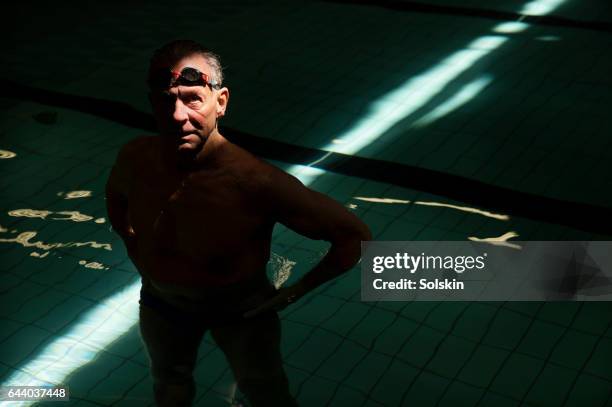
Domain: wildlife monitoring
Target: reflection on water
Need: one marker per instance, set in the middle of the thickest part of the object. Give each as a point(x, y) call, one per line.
point(431, 203)
point(24, 239)
point(465, 209)
point(281, 267)
point(77, 194)
point(93, 265)
point(381, 200)
point(4, 154)
point(500, 240)
point(74, 216)
point(29, 213)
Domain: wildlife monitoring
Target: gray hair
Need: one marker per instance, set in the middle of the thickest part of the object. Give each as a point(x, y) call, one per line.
point(176, 50)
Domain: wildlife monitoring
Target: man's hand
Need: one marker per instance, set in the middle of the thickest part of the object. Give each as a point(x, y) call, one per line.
point(129, 239)
point(283, 298)
point(117, 191)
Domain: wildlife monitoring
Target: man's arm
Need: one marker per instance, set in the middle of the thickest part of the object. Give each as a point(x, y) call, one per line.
point(316, 216)
point(117, 187)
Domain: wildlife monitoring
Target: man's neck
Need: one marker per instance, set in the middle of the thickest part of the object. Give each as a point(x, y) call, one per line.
point(208, 152)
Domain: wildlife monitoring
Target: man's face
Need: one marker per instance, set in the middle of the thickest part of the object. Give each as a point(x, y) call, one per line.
point(187, 115)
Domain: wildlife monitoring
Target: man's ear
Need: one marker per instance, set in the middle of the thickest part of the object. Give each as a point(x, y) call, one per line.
point(222, 99)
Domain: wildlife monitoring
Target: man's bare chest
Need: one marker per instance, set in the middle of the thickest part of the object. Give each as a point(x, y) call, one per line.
point(201, 213)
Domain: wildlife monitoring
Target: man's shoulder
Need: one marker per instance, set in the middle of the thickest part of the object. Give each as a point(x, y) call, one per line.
point(131, 156)
point(135, 152)
point(137, 146)
point(243, 161)
point(254, 171)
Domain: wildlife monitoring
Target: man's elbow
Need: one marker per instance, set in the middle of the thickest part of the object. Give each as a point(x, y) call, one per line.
point(365, 233)
point(359, 231)
point(352, 237)
point(347, 246)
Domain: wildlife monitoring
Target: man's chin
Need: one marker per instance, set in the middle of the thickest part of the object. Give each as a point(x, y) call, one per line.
point(190, 139)
point(189, 144)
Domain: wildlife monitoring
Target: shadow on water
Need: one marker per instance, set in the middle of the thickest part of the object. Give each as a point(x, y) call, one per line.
point(582, 216)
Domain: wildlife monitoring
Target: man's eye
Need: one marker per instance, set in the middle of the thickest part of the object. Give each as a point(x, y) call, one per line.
point(193, 102)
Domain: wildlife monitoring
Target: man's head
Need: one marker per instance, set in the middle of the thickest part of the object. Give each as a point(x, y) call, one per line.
point(186, 94)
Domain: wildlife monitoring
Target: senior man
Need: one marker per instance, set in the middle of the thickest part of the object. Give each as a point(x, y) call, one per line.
point(196, 214)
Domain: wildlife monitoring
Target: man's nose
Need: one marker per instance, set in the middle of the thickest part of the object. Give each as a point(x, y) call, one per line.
point(180, 112)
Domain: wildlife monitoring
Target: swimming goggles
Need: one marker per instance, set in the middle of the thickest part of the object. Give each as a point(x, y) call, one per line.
point(165, 78)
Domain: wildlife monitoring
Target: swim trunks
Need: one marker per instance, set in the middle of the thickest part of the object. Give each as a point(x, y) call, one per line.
point(222, 306)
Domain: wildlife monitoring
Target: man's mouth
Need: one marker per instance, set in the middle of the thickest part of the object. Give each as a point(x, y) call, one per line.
point(189, 141)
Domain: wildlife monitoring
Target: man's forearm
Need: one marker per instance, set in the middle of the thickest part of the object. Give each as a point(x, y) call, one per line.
point(340, 259)
point(117, 209)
